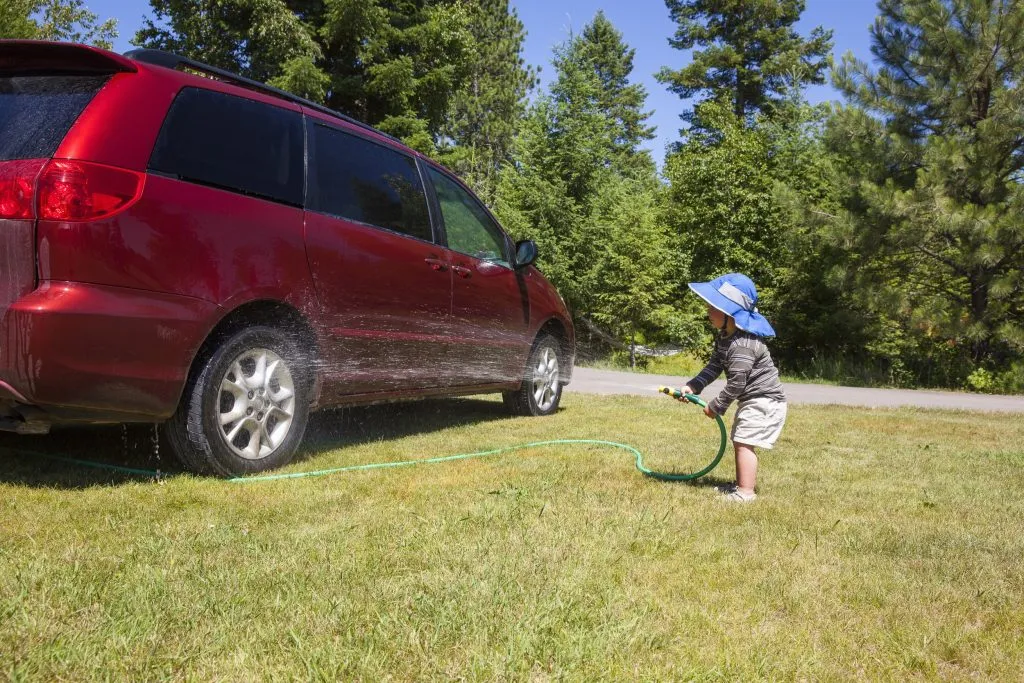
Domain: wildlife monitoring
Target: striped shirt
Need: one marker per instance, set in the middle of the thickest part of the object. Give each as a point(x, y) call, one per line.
point(749, 371)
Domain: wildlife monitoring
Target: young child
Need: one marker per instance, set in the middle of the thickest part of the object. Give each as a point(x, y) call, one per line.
point(751, 376)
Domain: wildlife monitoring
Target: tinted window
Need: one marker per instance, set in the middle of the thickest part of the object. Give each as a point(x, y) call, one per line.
point(36, 112)
point(232, 143)
point(366, 182)
point(469, 228)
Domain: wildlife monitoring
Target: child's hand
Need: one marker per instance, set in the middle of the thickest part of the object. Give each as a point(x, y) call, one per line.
point(710, 413)
point(687, 391)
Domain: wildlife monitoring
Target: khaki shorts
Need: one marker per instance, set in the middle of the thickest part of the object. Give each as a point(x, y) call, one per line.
point(758, 422)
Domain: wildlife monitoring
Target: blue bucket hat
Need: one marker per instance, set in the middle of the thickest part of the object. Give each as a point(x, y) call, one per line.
point(735, 295)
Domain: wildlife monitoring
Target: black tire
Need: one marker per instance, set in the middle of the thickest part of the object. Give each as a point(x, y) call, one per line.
point(270, 423)
point(541, 390)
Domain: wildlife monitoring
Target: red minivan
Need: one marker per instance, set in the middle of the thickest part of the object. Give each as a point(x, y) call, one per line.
point(184, 246)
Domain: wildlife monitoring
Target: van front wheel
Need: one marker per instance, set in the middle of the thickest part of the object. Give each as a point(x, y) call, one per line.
point(247, 408)
point(541, 390)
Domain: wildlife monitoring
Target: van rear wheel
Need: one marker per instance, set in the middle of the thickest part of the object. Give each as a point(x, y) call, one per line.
point(541, 390)
point(246, 410)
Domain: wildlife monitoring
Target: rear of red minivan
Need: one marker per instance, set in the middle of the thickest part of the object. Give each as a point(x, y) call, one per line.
point(74, 143)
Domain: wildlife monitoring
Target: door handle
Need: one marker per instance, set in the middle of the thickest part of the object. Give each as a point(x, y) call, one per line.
point(462, 271)
point(436, 264)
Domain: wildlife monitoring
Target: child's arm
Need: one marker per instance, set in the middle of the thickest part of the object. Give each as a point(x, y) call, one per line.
point(738, 363)
point(708, 375)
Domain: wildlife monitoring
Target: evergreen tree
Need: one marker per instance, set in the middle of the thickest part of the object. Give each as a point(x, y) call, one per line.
point(822, 328)
point(633, 290)
point(67, 20)
point(751, 52)
point(602, 50)
point(597, 121)
point(254, 38)
point(534, 201)
point(933, 144)
point(721, 199)
point(410, 57)
point(737, 202)
point(488, 109)
point(581, 186)
point(392, 63)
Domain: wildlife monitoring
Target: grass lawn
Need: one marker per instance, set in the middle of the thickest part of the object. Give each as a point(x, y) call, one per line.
point(685, 366)
point(886, 544)
point(831, 371)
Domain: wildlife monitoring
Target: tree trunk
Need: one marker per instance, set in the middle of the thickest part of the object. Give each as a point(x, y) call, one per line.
point(979, 282)
point(632, 350)
point(739, 106)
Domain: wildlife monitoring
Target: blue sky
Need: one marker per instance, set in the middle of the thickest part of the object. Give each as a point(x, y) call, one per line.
point(645, 26)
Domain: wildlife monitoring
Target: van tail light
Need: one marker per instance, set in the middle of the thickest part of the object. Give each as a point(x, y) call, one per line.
point(83, 191)
point(62, 190)
point(17, 187)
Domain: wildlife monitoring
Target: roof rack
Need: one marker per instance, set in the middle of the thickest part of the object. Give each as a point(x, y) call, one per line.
point(173, 61)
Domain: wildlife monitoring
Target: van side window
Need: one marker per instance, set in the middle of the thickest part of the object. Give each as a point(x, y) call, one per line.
point(469, 228)
point(360, 180)
point(232, 143)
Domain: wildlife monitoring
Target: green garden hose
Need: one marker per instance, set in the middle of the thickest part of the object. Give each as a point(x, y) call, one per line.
point(465, 456)
point(723, 439)
point(639, 458)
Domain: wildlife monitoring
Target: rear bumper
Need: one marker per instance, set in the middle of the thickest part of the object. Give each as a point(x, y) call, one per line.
point(82, 352)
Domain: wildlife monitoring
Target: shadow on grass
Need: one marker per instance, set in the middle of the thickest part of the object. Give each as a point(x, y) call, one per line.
point(113, 455)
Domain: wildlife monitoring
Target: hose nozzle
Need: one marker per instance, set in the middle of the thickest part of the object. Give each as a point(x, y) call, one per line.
point(671, 391)
point(680, 394)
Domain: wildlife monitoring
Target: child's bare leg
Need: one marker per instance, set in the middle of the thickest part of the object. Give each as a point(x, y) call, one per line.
point(746, 468)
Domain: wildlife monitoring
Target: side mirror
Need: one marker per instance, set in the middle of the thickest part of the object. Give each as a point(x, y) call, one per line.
point(526, 253)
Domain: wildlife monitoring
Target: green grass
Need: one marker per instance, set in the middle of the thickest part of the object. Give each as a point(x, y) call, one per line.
point(885, 544)
point(687, 365)
point(830, 370)
point(681, 364)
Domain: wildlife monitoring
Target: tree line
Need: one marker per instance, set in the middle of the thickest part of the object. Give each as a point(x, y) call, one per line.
point(884, 232)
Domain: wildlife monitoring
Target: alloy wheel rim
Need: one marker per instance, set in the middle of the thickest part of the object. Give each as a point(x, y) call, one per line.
point(545, 379)
point(256, 403)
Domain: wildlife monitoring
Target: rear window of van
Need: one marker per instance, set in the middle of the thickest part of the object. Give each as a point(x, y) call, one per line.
point(36, 112)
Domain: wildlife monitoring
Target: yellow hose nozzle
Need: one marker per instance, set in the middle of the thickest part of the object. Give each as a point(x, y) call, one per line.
point(680, 394)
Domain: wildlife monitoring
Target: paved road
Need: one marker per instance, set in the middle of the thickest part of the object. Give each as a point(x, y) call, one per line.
point(585, 380)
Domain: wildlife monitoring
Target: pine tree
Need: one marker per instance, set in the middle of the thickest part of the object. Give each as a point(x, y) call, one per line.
point(254, 38)
point(598, 122)
point(751, 53)
point(721, 203)
point(583, 188)
point(933, 144)
point(410, 57)
point(738, 200)
point(392, 63)
point(488, 109)
point(602, 50)
point(534, 201)
point(633, 289)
